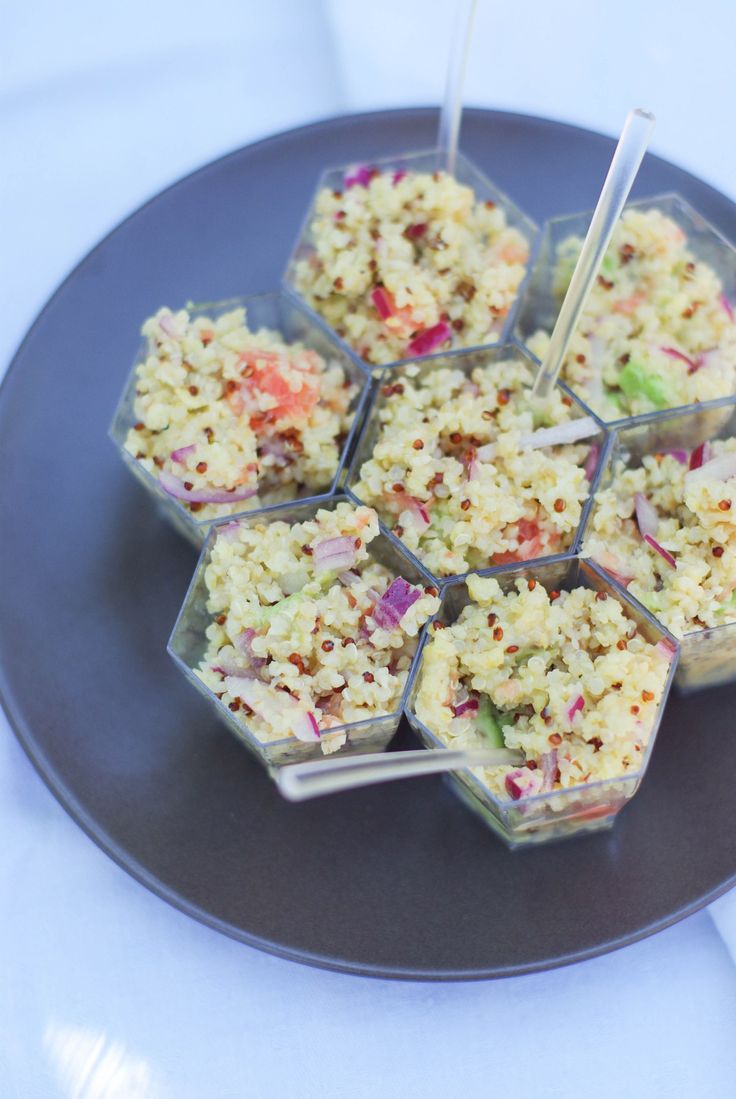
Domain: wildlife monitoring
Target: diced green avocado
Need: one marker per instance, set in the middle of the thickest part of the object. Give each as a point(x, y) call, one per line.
point(489, 724)
point(526, 654)
point(609, 264)
point(287, 605)
point(290, 603)
point(635, 381)
point(729, 605)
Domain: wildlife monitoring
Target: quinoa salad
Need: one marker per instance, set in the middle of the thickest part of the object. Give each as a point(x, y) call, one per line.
point(657, 330)
point(404, 263)
point(469, 474)
point(667, 531)
point(563, 678)
point(229, 420)
point(308, 632)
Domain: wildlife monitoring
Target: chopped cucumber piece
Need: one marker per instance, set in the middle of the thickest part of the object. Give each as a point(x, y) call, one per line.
point(636, 381)
point(489, 724)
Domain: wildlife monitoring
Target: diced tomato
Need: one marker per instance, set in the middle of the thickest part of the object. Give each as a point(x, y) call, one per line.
point(513, 252)
point(264, 375)
point(236, 402)
point(530, 544)
point(627, 306)
point(594, 812)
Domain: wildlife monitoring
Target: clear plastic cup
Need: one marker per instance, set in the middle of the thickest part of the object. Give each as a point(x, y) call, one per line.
point(545, 287)
point(278, 312)
point(588, 807)
point(707, 656)
point(188, 644)
point(362, 321)
point(496, 361)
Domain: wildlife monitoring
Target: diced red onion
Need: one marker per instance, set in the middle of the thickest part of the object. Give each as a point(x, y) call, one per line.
point(394, 603)
point(348, 578)
point(549, 770)
point(646, 515)
point(228, 531)
point(679, 456)
point(414, 232)
point(576, 705)
point(274, 448)
point(304, 726)
point(693, 364)
point(244, 643)
point(591, 461)
point(701, 454)
point(334, 554)
point(665, 648)
point(614, 566)
point(727, 306)
point(180, 454)
point(383, 302)
point(660, 550)
point(245, 688)
point(360, 175)
point(464, 707)
point(719, 469)
point(523, 783)
point(168, 324)
point(398, 176)
point(176, 488)
point(569, 432)
point(711, 357)
point(418, 511)
point(428, 341)
point(226, 669)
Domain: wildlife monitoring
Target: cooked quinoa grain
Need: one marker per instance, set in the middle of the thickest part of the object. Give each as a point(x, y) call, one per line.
point(479, 491)
point(229, 420)
point(656, 331)
point(692, 584)
point(307, 641)
point(406, 263)
point(563, 693)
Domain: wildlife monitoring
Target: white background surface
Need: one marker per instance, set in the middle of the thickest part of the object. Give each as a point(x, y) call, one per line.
point(107, 993)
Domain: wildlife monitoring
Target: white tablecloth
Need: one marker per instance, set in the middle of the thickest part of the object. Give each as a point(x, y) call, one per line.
point(107, 993)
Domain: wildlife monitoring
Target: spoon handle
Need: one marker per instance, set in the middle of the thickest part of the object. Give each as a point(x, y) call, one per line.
point(619, 181)
point(449, 130)
point(299, 781)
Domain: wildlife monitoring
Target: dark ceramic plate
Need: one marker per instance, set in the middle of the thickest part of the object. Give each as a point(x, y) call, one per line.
point(393, 881)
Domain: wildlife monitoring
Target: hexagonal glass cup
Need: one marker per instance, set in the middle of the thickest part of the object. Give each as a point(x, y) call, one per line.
point(588, 807)
point(493, 359)
point(188, 644)
point(541, 298)
point(707, 656)
point(278, 312)
point(431, 161)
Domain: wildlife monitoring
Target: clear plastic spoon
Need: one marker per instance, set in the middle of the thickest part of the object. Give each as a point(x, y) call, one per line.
point(621, 175)
point(449, 131)
point(300, 781)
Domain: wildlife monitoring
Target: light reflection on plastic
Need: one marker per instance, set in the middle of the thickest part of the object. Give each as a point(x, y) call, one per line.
point(89, 1065)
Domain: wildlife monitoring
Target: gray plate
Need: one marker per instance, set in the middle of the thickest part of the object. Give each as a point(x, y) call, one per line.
point(393, 881)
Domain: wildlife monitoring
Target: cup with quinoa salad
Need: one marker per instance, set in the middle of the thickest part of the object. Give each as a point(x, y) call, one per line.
point(237, 405)
point(552, 663)
point(403, 259)
point(663, 523)
point(301, 627)
point(468, 471)
point(658, 328)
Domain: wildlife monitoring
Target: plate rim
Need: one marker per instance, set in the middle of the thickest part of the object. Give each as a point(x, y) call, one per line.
point(128, 863)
